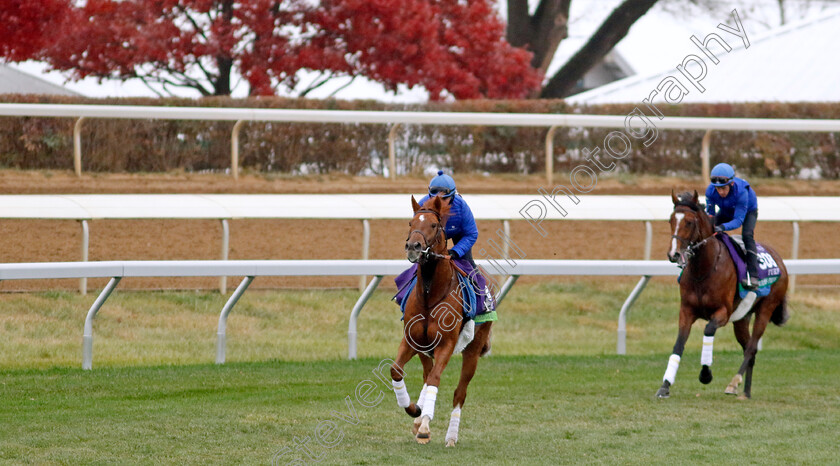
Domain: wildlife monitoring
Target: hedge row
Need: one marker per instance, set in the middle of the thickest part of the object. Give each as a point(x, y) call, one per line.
point(162, 145)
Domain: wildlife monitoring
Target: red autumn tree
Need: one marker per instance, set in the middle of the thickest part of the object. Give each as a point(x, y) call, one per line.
point(26, 26)
point(448, 46)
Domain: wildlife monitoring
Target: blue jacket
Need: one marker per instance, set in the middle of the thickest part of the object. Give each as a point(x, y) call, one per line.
point(740, 200)
point(460, 227)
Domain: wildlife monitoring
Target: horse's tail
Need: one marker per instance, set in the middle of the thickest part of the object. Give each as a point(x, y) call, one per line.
point(780, 314)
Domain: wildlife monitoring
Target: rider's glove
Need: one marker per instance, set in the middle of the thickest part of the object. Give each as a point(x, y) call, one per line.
point(719, 229)
point(453, 254)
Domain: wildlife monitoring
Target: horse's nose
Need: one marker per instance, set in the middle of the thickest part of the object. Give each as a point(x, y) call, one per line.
point(415, 246)
point(674, 257)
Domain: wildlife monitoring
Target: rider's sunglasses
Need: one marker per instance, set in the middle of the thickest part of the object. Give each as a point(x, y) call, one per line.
point(720, 180)
point(436, 191)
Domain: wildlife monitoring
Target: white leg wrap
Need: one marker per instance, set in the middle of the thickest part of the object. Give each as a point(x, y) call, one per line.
point(466, 337)
point(429, 402)
point(421, 399)
point(454, 423)
point(706, 355)
point(403, 400)
point(744, 307)
point(671, 372)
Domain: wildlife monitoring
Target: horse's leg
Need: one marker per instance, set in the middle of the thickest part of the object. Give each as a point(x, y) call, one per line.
point(470, 355)
point(443, 352)
point(428, 363)
point(742, 334)
point(404, 354)
point(687, 318)
point(718, 319)
point(762, 317)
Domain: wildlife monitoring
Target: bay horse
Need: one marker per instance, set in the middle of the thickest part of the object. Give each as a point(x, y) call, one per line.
point(708, 291)
point(432, 322)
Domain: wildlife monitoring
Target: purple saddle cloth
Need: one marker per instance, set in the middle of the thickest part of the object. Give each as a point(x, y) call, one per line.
point(482, 291)
point(768, 269)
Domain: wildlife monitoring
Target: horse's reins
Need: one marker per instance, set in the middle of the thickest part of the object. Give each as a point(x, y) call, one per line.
point(428, 251)
point(692, 248)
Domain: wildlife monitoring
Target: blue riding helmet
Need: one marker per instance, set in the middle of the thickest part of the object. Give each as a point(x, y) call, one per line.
point(442, 184)
point(722, 174)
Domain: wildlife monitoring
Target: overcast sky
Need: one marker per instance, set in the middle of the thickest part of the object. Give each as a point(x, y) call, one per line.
point(658, 41)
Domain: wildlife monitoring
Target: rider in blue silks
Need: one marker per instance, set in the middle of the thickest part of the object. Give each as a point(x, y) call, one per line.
point(738, 207)
point(461, 229)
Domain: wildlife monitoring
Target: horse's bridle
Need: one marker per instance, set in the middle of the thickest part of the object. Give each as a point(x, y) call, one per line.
point(429, 244)
point(691, 247)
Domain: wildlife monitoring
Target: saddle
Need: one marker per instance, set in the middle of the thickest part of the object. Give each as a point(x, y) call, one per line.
point(738, 240)
point(768, 270)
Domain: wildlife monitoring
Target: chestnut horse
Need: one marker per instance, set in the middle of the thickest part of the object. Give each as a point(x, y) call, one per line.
point(432, 322)
point(709, 291)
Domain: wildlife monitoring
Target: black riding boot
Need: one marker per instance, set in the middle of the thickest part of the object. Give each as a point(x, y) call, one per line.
point(751, 283)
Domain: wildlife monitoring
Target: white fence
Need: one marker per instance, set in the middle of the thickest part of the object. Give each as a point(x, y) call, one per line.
point(366, 207)
point(377, 268)
point(394, 119)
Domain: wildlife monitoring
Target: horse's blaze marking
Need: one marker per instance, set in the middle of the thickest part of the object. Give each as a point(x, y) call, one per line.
point(679, 218)
point(422, 218)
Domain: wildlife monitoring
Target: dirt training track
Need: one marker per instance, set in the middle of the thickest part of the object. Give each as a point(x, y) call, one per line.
point(59, 240)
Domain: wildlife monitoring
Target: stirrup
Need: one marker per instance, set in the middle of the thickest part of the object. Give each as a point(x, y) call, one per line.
point(748, 284)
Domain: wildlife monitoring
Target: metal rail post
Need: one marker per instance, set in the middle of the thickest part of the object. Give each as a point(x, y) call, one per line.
point(354, 315)
point(506, 245)
point(704, 154)
point(549, 156)
point(234, 149)
point(794, 254)
point(87, 337)
point(505, 288)
point(85, 248)
point(648, 239)
point(392, 152)
point(365, 250)
point(225, 249)
point(621, 347)
point(77, 146)
point(220, 333)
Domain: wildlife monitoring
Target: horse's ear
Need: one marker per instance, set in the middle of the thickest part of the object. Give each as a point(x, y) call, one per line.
point(673, 197)
point(696, 198)
point(414, 204)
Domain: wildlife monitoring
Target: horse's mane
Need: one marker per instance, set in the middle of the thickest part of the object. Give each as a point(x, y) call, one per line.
point(445, 205)
point(686, 199)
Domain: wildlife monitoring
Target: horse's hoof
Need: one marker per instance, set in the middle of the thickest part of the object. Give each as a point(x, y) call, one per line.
point(732, 388)
point(423, 439)
point(662, 393)
point(415, 426)
point(424, 434)
point(413, 410)
point(450, 442)
point(743, 396)
point(705, 375)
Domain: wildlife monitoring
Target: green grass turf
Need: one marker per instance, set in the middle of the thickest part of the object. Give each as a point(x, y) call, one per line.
point(44, 330)
point(552, 392)
point(520, 410)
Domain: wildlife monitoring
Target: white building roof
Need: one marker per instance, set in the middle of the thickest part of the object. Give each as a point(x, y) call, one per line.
point(794, 63)
point(13, 81)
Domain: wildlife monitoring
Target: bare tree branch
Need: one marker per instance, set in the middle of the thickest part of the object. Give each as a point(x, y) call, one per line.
point(333, 93)
point(314, 86)
point(612, 30)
